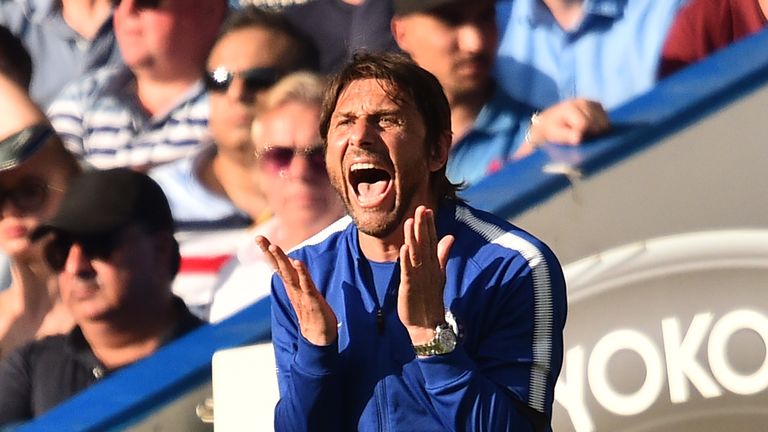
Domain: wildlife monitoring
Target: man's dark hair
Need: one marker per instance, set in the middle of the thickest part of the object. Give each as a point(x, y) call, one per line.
point(15, 62)
point(403, 81)
point(305, 55)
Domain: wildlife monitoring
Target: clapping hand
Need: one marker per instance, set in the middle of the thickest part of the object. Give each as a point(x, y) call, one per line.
point(422, 276)
point(317, 322)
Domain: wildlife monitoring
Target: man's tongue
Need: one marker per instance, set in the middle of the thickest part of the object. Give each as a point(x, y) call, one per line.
point(370, 191)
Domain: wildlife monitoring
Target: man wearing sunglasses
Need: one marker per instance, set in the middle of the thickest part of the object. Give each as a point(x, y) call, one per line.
point(212, 192)
point(111, 243)
point(154, 109)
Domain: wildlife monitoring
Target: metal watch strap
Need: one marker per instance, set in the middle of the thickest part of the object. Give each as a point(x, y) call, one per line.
point(427, 349)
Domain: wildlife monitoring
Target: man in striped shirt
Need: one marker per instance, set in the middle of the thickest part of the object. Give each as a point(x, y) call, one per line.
point(153, 110)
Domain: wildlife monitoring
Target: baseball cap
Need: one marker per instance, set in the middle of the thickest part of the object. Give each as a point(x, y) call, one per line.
point(21, 145)
point(404, 7)
point(98, 202)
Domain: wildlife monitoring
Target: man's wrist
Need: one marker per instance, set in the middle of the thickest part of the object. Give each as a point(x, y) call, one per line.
point(442, 338)
point(531, 139)
point(421, 335)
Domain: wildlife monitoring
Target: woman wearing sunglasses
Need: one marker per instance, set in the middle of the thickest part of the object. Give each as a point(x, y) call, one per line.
point(290, 169)
point(34, 169)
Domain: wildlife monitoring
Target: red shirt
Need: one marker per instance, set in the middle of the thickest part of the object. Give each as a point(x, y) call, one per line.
point(705, 26)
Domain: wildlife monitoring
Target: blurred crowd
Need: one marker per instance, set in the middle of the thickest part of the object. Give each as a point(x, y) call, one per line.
point(186, 129)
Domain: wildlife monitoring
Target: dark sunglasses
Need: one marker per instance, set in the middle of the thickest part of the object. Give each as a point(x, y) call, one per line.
point(28, 196)
point(277, 159)
point(100, 246)
point(141, 4)
point(254, 79)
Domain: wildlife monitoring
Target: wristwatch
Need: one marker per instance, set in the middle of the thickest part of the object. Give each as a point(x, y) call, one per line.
point(444, 341)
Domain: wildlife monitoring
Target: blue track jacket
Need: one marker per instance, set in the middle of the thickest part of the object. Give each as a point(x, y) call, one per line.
point(507, 292)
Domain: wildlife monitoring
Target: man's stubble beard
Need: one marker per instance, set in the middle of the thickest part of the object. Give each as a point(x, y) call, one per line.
point(378, 228)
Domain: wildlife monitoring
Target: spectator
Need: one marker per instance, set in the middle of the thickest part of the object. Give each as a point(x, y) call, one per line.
point(607, 50)
point(113, 249)
point(66, 39)
point(15, 62)
point(290, 169)
point(214, 187)
point(16, 66)
point(213, 194)
point(456, 41)
point(340, 27)
point(154, 109)
point(34, 170)
point(703, 27)
point(365, 322)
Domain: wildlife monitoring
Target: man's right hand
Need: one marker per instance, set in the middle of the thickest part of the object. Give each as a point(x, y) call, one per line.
point(569, 122)
point(317, 321)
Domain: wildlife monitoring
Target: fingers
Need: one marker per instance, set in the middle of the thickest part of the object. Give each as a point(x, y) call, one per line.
point(420, 237)
point(412, 258)
point(443, 250)
point(264, 244)
point(305, 280)
point(571, 121)
point(421, 245)
point(280, 263)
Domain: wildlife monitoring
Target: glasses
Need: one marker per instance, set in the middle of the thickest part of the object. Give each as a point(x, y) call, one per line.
point(28, 196)
point(100, 246)
point(278, 159)
point(141, 4)
point(254, 79)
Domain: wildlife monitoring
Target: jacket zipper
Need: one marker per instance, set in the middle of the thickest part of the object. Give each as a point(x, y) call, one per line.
point(380, 321)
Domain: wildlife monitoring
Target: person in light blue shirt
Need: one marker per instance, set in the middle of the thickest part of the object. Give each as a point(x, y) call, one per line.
point(496, 135)
point(603, 50)
point(456, 41)
point(65, 38)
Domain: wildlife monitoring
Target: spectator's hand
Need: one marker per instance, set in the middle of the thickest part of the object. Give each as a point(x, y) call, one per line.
point(422, 276)
point(317, 321)
point(568, 122)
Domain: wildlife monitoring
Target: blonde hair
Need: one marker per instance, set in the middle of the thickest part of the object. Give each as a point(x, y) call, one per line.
point(303, 87)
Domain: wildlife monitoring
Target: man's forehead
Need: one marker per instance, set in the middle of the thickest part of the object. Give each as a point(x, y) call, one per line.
point(371, 94)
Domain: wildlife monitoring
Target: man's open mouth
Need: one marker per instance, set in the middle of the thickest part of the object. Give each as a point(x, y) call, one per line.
point(370, 183)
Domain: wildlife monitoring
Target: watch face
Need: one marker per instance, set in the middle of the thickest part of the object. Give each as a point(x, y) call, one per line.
point(446, 339)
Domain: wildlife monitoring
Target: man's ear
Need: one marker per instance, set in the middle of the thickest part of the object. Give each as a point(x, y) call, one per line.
point(168, 250)
point(397, 27)
point(439, 153)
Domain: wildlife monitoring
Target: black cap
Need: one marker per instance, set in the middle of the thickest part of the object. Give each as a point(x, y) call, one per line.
point(17, 148)
point(98, 202)
point(404, 7)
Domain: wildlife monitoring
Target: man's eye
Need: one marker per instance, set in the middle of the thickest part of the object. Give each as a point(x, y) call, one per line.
point(344, 121)
point(389, 121)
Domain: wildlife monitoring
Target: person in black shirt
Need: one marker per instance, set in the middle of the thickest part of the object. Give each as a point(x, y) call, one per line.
point(111, 244)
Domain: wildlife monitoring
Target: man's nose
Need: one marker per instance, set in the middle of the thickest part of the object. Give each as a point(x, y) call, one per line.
point(78, 263)
point(238, 92)
point(8, 209)
point(471, 38)
point(361, 133)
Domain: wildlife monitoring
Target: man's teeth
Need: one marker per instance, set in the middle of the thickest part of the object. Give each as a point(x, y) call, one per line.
point(361, 166)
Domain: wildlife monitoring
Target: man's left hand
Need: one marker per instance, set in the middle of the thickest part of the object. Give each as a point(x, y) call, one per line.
point(422, 276)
